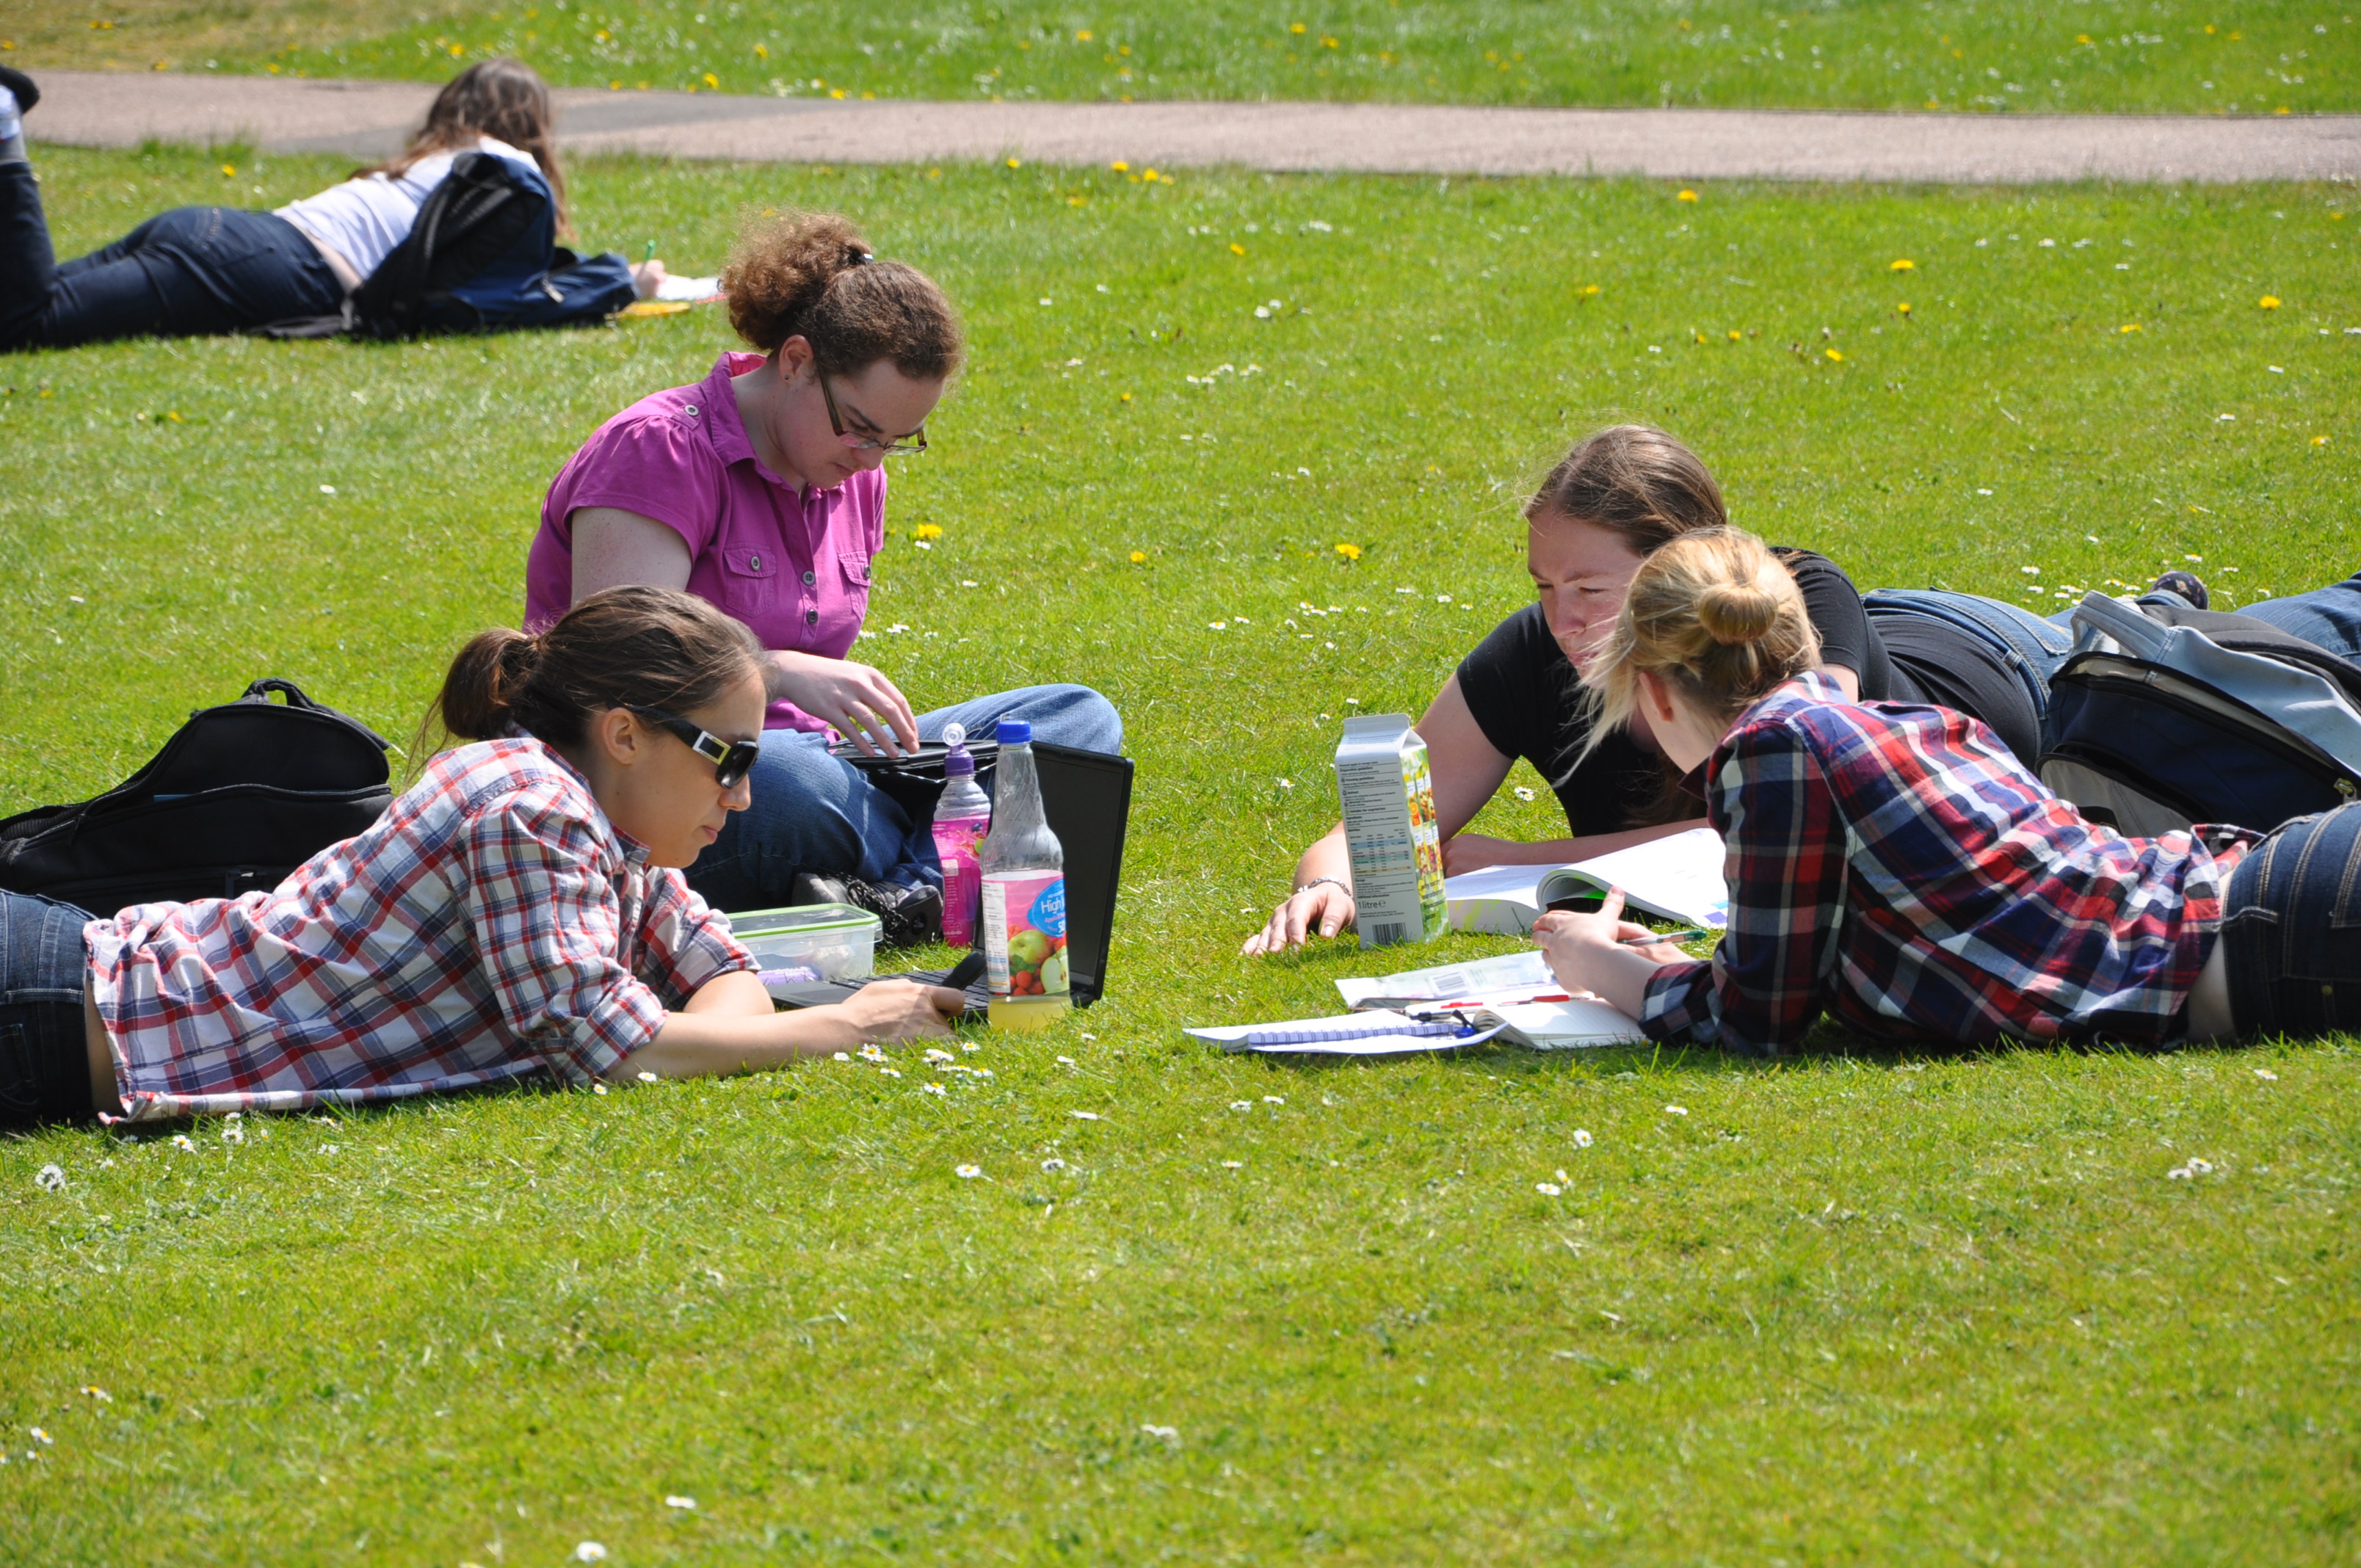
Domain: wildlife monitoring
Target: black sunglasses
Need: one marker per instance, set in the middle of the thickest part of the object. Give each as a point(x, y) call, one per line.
point(732, 759)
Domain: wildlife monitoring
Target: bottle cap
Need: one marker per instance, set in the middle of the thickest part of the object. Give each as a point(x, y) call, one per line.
point(958, 764)
point(1015, 733)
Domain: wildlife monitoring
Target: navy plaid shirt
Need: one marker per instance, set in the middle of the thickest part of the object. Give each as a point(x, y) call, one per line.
point(1896, 866)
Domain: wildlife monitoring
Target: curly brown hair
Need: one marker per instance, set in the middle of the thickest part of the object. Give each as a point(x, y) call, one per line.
point(811, 275)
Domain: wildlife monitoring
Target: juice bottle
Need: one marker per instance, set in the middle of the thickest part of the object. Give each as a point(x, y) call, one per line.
point(1024, 894)
point(962, 816)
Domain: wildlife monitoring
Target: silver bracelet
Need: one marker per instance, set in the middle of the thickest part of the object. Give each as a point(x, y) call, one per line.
point(1315, 882)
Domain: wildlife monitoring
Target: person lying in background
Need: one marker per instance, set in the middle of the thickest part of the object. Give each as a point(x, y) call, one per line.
point(1899, 870)
point(195, 271)
point(1615, 498)
point(517, 915)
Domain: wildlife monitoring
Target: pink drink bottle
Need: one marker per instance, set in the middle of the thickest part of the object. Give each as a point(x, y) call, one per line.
point(962, 816)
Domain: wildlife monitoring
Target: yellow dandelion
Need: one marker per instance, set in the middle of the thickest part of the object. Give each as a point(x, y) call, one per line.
point(1076, 201)
point(762, 51)
point(1149, 177)
point(1126, 397)
point(1350, 552)
point(1327, 42)
point(1903, 264)
point(1688, 196)
point(839, 93)
point(2269, 301)
point(1120, 167)
point(927, 531)
point(229, 171)
point(1236, 249)
point(1699, 336)
point(1138, 558)
point(1735, 335)
point(1083, 36)
point(1904, 308)
point(1588, 289)
point(1836, 356)
point(711, 79)
point(2081, 37)
point(1013, 163)
point(2129, 326)
point(1295, 27)
point(2320, 441)
point(456, 51)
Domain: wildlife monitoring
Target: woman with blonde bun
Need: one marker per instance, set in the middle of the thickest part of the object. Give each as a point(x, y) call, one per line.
point(1896, 867)
point(761, 488)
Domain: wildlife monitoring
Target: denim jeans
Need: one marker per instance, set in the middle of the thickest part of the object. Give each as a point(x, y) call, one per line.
point(44, 971)
point(2032, 648)
point(2291, 928)
point(813, 812)
point(189, 271)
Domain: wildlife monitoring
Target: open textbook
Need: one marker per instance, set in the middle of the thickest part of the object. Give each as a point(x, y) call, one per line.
point(1673, 878)
point(1558, 1024)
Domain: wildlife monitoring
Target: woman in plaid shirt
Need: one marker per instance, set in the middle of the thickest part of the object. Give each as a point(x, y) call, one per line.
point(517, 913)
point(1898, 867)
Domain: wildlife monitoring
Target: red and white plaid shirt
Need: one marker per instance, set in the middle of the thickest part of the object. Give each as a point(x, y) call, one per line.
point(491, 926)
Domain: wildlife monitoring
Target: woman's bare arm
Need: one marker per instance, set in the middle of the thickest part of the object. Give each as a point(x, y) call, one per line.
point(728, 1037)
point(612, 547)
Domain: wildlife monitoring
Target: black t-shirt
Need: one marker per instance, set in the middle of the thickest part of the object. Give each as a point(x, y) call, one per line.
point(1527, 700)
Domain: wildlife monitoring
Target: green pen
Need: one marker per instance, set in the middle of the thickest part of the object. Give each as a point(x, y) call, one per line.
point(650, 255)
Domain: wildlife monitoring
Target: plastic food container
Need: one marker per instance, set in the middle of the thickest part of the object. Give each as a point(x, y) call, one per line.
point(824, 941)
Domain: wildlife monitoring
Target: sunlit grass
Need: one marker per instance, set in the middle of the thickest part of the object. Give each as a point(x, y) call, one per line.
point(2297, 56)
point(1860, 1307)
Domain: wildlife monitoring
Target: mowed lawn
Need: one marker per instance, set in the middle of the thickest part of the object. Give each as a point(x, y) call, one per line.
point(1979, 56)
point(1860, 1306)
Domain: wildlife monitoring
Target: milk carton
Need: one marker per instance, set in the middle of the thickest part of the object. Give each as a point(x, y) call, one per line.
point(1389, 830)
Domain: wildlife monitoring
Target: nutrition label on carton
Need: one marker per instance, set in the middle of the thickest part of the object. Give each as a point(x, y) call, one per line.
point(1391, 834)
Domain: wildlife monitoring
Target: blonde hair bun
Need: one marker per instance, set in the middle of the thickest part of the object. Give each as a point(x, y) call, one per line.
point(1734, 613)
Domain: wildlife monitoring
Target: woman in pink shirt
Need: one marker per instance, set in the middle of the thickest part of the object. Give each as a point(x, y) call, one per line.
point(761, 488)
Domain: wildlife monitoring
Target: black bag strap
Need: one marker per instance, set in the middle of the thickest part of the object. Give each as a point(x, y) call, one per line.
point(296, 697)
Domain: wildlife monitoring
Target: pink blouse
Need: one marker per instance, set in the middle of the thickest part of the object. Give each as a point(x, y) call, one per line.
point(791, 561)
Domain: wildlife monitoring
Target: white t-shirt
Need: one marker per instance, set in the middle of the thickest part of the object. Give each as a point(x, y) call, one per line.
point(367, 215)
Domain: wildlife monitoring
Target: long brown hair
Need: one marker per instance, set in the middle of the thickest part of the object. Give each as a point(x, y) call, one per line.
point(1635, 480)
point(811, 275)
point(1715, 617)
point(504, 99)
point(634, 646)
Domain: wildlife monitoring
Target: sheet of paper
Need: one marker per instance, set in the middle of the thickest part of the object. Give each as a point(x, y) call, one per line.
point(689, 290)
point(1568, 1025)
point(1525, 972)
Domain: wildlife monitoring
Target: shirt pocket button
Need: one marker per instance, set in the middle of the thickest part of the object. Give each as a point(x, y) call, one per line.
point(810, 578)
point(756, 562)
point(811, 618)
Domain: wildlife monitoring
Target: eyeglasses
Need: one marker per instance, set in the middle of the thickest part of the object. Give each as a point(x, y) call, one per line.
point(914, 442)
point(732, 759)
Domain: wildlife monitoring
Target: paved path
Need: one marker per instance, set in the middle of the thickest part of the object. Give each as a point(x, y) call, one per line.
point(105, 109)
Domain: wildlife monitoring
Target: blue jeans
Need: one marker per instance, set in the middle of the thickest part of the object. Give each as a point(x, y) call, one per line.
point(2291, 928)
point(44, 971)
point(814, 812)
point(189, 271)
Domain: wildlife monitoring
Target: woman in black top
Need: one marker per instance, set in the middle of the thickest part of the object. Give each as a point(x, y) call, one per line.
point(1615, 498)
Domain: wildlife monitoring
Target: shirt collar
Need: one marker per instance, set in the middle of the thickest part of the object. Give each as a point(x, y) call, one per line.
point(726, 430)
point(630, 849)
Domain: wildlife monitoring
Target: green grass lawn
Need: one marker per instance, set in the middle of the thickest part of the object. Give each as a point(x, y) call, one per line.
point(2269, 56)
point(1859, 1307)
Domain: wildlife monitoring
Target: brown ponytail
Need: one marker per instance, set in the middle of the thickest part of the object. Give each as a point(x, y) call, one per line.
point(811, 275)
point(1714, 615)
point(628, 647)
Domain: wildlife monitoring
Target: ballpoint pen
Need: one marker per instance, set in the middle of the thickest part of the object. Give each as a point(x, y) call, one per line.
point(1653, 938)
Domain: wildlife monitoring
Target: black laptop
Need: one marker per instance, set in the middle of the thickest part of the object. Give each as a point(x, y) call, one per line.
point(1087, 797)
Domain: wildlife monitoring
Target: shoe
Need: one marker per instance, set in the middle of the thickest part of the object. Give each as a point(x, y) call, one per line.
point(2186, 585)
point(21, 85)
point(911, 916)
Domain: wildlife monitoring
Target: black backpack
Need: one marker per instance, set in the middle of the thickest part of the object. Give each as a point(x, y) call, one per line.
point(239, 796)
point(482, 257)
point(2151, 728)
